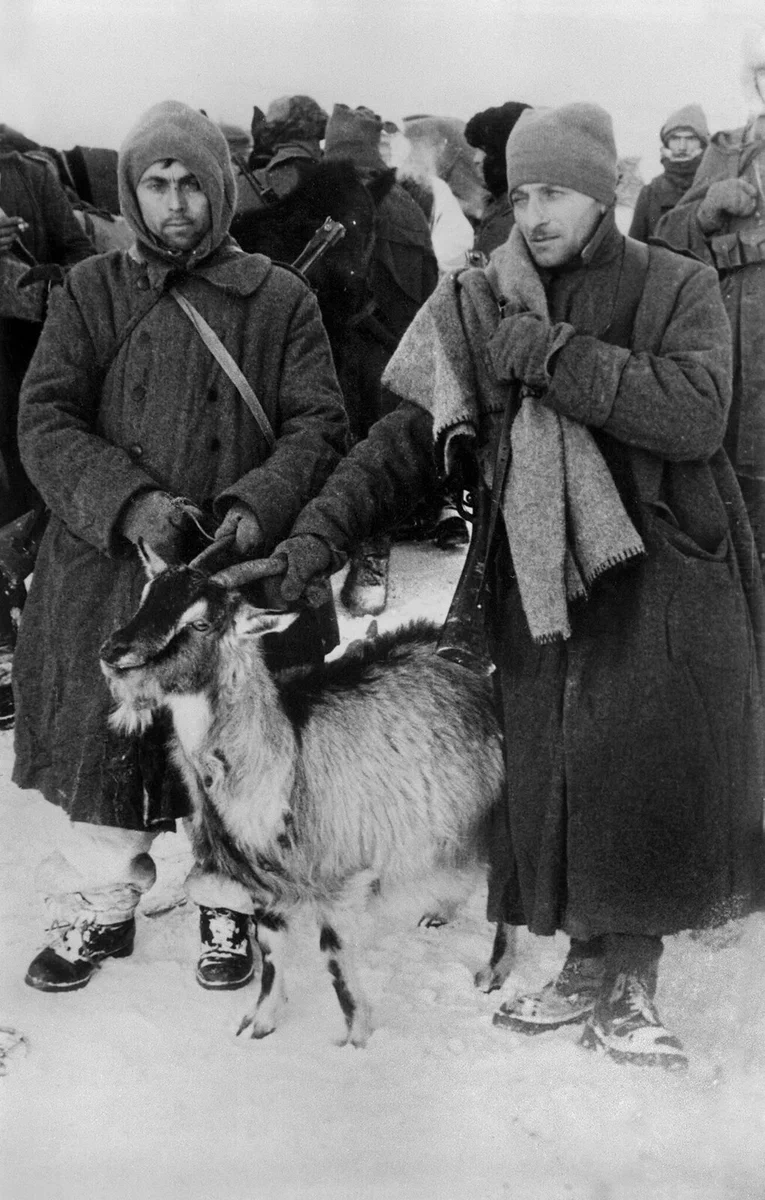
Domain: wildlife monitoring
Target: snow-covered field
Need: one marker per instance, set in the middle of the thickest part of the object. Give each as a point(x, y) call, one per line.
point(136, 1086)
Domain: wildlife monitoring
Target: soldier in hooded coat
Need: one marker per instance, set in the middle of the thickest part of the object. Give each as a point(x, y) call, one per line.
point(131, 430)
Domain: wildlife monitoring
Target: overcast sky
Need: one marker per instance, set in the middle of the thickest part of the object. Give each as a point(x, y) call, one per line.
point(79, 71)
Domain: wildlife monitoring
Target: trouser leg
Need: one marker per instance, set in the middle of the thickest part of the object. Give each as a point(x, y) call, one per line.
point(632, 954)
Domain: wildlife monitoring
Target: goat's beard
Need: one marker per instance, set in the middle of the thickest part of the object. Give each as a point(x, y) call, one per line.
point(137, 699)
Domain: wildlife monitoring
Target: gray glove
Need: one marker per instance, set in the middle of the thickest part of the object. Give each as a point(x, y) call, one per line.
point(727, 197)
point(301, 566)
point(163, 521)
point(243, 524)
point(522, 346)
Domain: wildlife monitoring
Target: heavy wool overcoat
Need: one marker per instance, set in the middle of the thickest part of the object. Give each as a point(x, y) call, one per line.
point(634, 748)
point(96, 428)
point(737, 251)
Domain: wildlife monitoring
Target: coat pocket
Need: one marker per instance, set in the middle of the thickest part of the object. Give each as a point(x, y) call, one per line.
point(663, 529)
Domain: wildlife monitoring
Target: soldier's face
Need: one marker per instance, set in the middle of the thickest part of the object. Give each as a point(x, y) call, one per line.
point(173, 205)
point(556, 222)
point(683, 145)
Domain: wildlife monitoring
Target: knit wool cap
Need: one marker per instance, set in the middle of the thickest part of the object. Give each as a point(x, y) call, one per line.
point(690, 117)
point(173, 130)
point(572, 146)
point(354, 133)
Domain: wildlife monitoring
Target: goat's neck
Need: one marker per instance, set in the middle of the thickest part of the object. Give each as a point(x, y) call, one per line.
point(241, 746)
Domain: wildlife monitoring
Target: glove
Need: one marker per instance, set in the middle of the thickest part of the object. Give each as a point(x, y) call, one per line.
point(243, 524)
point(734, 197)
point(522, 346)
point(163, 521)
point(302, 565)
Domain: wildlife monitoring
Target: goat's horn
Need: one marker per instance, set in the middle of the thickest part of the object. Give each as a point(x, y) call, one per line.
point(248, 572)
point(218, 551)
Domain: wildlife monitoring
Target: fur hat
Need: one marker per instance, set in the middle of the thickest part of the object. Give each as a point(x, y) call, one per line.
point(173, 130)
point(289, 119)
point(571, 146)
point(489, 130)
point(690, 117)
point(354, 133)
point(753, 61)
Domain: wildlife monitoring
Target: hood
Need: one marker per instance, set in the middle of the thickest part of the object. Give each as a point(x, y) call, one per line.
point(753, 59)
point(173, 130)
point(691, 116)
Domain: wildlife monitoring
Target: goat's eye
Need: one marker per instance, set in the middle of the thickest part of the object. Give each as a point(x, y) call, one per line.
point(201, 626)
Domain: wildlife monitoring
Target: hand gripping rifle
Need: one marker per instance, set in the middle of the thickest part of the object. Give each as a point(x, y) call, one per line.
point(463, 637)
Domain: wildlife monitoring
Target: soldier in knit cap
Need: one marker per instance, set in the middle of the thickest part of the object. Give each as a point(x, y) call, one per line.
point(684, 138)
point(722, 220)
point(587, 379)
point(132, 432)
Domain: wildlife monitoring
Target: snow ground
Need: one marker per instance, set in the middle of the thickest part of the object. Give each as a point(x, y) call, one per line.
point(137, 1087)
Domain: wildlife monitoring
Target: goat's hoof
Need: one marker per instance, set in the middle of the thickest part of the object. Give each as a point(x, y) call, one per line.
point(256, 1030)
point(489, 980)
point(357, 1040)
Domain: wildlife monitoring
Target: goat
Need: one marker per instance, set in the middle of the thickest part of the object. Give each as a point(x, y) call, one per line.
point(319, 784)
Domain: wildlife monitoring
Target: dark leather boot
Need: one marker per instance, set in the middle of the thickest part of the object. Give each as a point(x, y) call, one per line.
point(68, 963)
point(226, 961)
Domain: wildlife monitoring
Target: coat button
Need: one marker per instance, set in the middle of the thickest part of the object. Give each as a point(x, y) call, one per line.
point(214, 444)
point(212, 396)
point(136, 450)
point(139, 392)
point(143, 283)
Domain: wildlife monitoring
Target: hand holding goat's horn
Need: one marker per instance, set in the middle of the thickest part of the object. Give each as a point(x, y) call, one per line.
point(299, 568)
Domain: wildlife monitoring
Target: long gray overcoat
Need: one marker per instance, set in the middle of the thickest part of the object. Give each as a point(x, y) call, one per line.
point(96, 428)
point(634, 748)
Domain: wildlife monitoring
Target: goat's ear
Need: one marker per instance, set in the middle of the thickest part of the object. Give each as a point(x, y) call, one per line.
point(255, 622)
point(153, 565)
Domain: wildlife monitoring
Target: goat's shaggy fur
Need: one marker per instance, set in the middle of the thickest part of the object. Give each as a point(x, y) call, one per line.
point(312, 785)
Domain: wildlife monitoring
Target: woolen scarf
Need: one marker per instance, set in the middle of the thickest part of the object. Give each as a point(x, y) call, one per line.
point(565, 521)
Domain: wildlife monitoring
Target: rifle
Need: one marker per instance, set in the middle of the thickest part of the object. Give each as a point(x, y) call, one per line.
point(463, 636)
point(323, 240)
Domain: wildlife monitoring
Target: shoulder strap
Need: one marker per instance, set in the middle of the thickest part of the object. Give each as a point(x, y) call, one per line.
point(631, 284)
point(227, 363)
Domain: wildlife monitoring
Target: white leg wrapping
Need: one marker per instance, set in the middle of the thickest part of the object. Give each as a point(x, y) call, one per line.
point(218, 891)
point(98, 872)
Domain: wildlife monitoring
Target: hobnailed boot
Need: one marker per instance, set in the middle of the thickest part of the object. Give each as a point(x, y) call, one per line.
point(365, 590)
point(226, 961)
point(626, 1026)
point(566, 1000)
point(77, 949)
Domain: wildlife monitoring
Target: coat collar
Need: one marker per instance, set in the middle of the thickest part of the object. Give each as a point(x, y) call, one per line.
point(227, 268)
point(604, 245)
